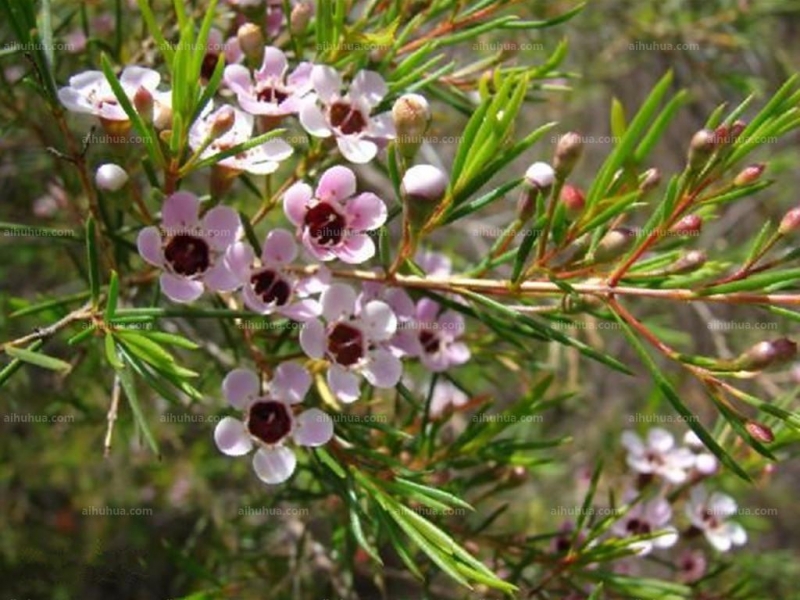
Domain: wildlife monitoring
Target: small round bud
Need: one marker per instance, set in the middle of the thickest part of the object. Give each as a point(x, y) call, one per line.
point(790, 222)
point(736, 129)
point(573, 200)
point(251, 41)
point(540, 175)
point(568, 151)
point(691, 261)
point(650, 181)
point(688, 225)
point(749, 175)
point(300, 17)
point(424, 182)
point(223, 122)
point(412, 116)
point(767, 354)
point(615, 243)
point(722, 135)
point(760, 432)
point(110, 177)
point(702, 146)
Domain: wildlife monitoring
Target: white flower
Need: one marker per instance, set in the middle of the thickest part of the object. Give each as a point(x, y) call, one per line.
point(658, 456)
point(705, 462)
point(111, 177)
point(647, 518)
point(709, 514)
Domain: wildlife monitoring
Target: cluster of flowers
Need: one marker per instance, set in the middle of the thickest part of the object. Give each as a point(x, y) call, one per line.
point(658, 460)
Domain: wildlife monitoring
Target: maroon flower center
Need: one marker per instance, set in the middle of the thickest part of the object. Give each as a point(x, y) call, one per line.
point(346, 118)
point(430, 342)
point(345, 344)
point(638, 527)
point(209, 65)
point(271, 94)
point(188, 255)
point(271, 287)
point(325, 225)
point(269, 421)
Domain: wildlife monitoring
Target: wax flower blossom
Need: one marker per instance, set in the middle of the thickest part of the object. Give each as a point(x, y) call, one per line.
point(438, 336)
point(658, 455)
point(647, 518)
point(270, 420)
point(268, 287)
point(404, 341)
point(227, 127)
point(332, 221)
point(709, 514)
point(347, 117)
point(270, 91)
point(190, 250)
point(353, 342)
point(90, 93)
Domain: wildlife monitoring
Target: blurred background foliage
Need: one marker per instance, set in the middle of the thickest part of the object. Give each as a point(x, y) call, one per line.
point(196, 536)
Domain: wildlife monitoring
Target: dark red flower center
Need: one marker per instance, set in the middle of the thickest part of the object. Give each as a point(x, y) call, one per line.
point(325, 225)
point(209, 65)
point(272, 94)
point(430, 342)
point(638, 527)
point(345, 344)
point(188, 254)
point(346, 118)
point(271, 287)
point(269, 421)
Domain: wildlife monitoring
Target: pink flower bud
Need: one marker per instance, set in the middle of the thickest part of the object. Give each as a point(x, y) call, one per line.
point(540, 175)
point(568, 151)
point(110, 177)
point(760, 432)
point(688, 225)
point(702, 146)
point(223, 122)
point(300, 17)
point(790, 222)
point(748, 175)
point(412, 116)
point(652, 177)
point(251, 41)
point(767, 354)
point(573, 199)
point(614, 244)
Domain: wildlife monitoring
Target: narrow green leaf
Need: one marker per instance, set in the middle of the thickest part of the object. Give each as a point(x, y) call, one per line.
point(126, 380)
point(37, 359)
point(113, 294)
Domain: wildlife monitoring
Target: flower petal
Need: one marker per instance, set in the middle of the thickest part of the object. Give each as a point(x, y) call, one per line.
point(274, 63)
point(279, 248)
point(338, 301)
point(239, 257)
point(313, 428)
point(237, 78)
point(336, 184)
point(357, 150)
point(180, 289)
point(222, 226)
point(221, 279)
point(274, 465)
point(378, 321)
point(369, 87)
point(291, 382)
point(312, 338)
point(384, 369)
point(295, 202)
point(356, 249)
point(326, 81)
point(149, 244)
point(313, 119)
point(343, 384)
point(366, 212)
point(240, 387)
point(232, 438)
point(302, 310)
point(181, 212)
point(660, 440)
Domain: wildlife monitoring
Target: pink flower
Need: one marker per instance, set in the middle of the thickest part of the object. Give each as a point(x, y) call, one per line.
point(269, 91)
point(90, 93)
point(692, 565)
point(404, 341)
point(348, 116)
point(259, 160)
point(446, 396)
point(270, 420)
point(438, 336)
point(353, 342)
point(332, 221)
point(646, 519)
point(268, 287)
point(709, 514)
point(658, 456)
point(190, 251)
point(434, 264)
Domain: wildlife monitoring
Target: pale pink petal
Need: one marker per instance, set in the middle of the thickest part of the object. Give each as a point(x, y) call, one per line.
point(181, 211)
point(295, 202)
point(356, 150)
point(279, 248)
point(721, 505)
point(75, 101)
point(378, 321)
point(302, 310)
point(179, 289)
point(274, 63)
point(313, 428)
point(232, 438)
point(239, 257)
point(384, 369)
point(343, 384)
point(458, 353)
point(291, 382)
point(300, 78)
point(276, 149)
point(222, 226)
point(356, 249)
point(369, 87)
point(632, 442)
point(149, 244)
point(400, 301)
point(366, 212)
point(660, 440)
point(274, 465)
point(221, 279)
point(451, 323)
point(237, 77)
point(254, 301)
point(427, 310)
point(338, 301)
point(312, 338)
point(381, 126)
point(326, 81)
point(134, 77)
point(336, 184)
point(241, 387)
point(313, 119)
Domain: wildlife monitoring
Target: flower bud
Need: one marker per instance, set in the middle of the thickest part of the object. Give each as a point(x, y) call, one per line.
point(691, 261)
point(300, 17)
point(412, 116)
point(251, 41)
point(701, 148)
point(790, 222)
point(541, 176)
point(760, 432)
point(573, 200)
point(767, 354)
point(143, 103)
point(223, 122)
point(688, 225)
point(423, 188)
point(736, 129)
point(110, 177)
point(615, 243)
point(652, 177)
point(749, 175)
point(722, 135)
point(568, 151)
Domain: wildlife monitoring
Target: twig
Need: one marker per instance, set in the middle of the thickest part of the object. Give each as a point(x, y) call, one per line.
point(112, 416)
